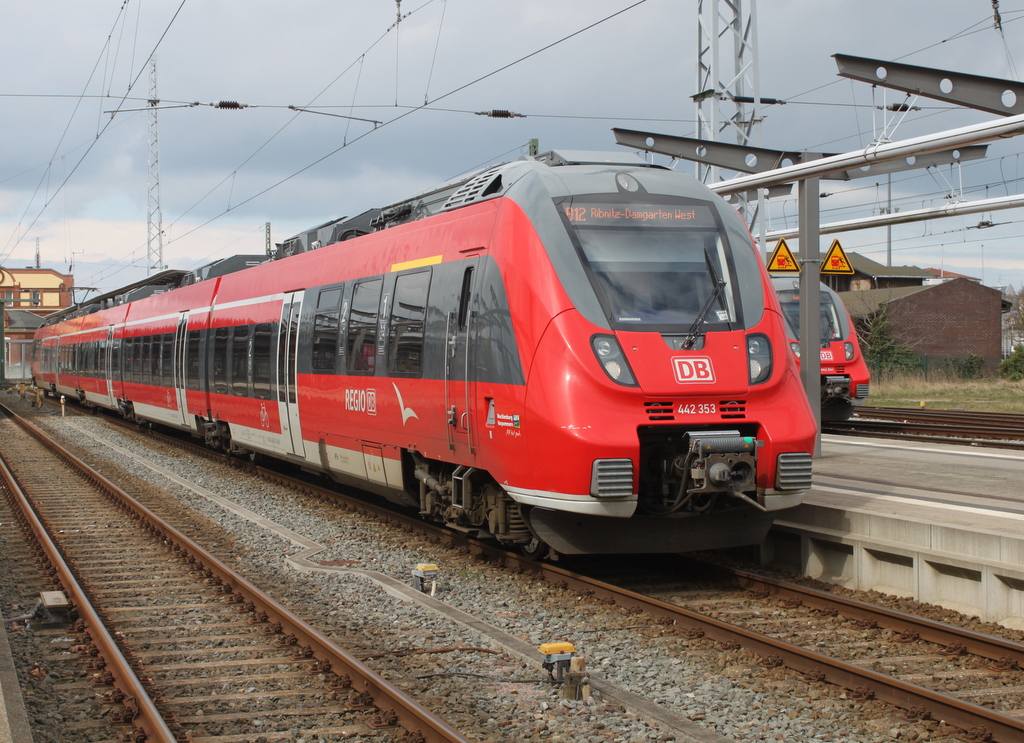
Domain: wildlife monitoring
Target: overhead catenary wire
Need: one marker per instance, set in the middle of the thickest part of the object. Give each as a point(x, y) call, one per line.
point(60, 141)
point(142, 70)
point(389, 114)
point(393, 120)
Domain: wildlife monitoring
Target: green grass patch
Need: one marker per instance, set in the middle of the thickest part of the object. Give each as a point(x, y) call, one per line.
point(997, 395)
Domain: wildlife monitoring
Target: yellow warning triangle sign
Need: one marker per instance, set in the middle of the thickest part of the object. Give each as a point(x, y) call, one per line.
point(836, 260)
point(782, 260)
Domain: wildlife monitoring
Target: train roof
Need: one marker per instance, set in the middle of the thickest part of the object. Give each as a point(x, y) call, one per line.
point(155, 284)
point(480, 185)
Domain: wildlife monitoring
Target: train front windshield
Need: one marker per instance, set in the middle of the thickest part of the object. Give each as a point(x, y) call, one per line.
point(655, 266)
point(830, 316)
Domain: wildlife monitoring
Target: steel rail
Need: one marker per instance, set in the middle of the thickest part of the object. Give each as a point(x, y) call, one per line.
point(992, 430)
point(976, 643)
point(979, 721)
point(1013, 422)
point(148, 718)
point(396, 706)
point(813, 666)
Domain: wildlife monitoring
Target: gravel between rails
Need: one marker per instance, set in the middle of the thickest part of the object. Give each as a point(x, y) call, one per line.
point(489, 697)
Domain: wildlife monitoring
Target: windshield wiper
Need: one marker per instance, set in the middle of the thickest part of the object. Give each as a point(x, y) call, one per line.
point(830, 328)
point(702, 316)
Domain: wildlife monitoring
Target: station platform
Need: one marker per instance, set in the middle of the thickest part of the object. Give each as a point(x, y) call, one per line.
point(940, 523)
point(14, 727)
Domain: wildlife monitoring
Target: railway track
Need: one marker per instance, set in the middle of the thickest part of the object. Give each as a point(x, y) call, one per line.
point(882, 654)
point(932, 670)
point(996, 430)
point(924, 659)
point(184, 648)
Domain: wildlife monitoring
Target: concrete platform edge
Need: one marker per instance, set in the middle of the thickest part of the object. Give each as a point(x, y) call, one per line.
point(14, 727)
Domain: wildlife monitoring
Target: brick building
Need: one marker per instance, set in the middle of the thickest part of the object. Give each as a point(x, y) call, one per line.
point(38, 290)
point(953, 318)
point(28, 295)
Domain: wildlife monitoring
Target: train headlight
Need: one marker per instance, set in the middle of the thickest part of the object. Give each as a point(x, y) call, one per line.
point(759, 358)
point(848, 347)
point(795, 345)
point(609, 355)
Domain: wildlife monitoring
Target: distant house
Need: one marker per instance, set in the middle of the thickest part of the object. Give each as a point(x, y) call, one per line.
point(940, 274)
point(38, 290)
point(28, 295)
point(19, 327)
point(955, 318)
point(867, 274)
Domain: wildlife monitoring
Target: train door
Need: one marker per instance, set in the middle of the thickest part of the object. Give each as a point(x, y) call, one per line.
point(287, 373)
point(58, 363)
point(180, 369)
point(110, 368)
point(458, 370)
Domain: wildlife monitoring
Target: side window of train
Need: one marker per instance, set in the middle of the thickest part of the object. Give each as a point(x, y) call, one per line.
point(192, 355)
point(467, 285)
point(408, 312)
point(361, 344)
point(137, 359)
point(261, 360)
point(115, 358)
point(129, 359)
point(167, 359)
point(220, 360)
point(156, 341)
point(240, 361)
point(146, 359)
point(325, 330)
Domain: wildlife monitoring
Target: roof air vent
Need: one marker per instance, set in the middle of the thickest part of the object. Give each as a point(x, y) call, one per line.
point(485, 184)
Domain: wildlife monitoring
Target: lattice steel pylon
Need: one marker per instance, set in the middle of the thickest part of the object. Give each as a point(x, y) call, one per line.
point(154, 220)
point(728, 94)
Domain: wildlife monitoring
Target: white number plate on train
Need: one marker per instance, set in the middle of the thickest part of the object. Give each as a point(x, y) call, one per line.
point(697, 408)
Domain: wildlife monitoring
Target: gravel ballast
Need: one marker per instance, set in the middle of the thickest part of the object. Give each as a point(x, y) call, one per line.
point(492, 697)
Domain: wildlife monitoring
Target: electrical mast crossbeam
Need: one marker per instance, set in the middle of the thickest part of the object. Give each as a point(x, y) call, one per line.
point(1001, 97)
point(744, 159)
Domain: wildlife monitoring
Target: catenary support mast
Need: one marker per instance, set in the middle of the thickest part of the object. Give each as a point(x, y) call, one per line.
point(154, 226)
point(728, 94)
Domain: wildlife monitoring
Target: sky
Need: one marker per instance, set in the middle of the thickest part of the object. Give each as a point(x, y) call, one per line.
point(391, 107)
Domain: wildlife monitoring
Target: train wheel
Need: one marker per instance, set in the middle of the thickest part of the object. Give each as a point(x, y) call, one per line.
point(534, 549)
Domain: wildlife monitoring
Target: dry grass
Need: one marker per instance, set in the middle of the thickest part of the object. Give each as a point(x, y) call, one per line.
point(998, 395)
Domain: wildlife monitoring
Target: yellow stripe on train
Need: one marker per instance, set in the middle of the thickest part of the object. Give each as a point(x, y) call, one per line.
point(416, 264)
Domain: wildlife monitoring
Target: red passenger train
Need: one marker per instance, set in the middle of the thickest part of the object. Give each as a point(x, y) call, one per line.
point(574, 353)
point(845, 378)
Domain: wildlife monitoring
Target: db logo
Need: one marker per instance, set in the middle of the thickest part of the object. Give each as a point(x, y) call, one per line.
point(693, 369)
point(826, 354)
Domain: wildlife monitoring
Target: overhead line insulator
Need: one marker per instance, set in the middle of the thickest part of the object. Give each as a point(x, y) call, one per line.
point(230, 104)
point(500, 113)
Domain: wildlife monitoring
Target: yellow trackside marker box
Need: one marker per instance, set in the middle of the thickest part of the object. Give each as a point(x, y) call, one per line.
point(556, 648)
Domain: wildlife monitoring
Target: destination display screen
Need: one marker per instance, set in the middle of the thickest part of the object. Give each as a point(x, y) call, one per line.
point(635, 214)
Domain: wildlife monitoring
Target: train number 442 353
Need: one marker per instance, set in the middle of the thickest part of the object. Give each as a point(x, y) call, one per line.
point(697, 408)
